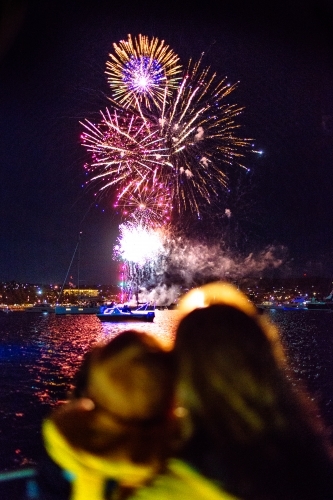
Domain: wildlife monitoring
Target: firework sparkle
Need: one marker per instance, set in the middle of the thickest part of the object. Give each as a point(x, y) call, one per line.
point(148, 205)
point(165, 148)
point(141, 249)
point(138, 243)
point(125, 153)
point(198, 128)
point(142, 70)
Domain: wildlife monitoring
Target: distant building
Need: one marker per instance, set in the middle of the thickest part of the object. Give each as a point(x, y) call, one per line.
point(82, 293)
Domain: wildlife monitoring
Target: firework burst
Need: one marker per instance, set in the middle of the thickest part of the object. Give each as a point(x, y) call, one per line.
point(198, 128)
point(139, 243)
point(149, 205)
point(187, 146)
point(141, 249)
point(165, 130)
point(125, 153)
point(142, 70)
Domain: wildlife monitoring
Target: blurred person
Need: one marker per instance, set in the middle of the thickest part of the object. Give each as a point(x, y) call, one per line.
point(250, 431)
point(115, 438)
point(117, 429)
point(253, 430)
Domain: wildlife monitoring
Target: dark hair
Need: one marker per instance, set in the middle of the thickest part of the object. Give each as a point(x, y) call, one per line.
point(264, 434)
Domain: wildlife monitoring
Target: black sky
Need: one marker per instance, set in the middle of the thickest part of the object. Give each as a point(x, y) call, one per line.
point(53, 56)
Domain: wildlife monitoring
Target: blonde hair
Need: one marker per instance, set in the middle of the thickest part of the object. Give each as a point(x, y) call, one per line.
point(131, 383)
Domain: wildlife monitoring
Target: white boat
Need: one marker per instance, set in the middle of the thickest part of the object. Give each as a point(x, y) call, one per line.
point(84, 303)
point(78, 309)
point(124, 313)
point(40, 308)
point(282, 306)
point(320, 305)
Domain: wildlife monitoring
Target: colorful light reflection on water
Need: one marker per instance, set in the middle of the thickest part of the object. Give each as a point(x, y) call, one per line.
point(39, 356)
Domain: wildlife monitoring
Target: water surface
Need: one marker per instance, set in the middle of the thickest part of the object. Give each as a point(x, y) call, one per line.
point(39, 355)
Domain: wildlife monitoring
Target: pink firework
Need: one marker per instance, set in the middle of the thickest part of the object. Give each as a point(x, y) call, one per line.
point(125, 152)
point(150, 204)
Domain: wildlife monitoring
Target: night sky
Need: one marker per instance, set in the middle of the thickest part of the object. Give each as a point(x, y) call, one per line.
point(52, 75)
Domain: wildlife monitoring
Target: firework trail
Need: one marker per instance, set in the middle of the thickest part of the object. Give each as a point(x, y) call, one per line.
point(142, 70)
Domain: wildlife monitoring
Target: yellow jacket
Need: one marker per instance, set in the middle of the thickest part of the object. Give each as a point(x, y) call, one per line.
point(90, 472)
point(181, 482)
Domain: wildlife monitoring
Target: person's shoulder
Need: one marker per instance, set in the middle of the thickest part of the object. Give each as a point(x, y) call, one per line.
point(181, 481)
point(200, 486)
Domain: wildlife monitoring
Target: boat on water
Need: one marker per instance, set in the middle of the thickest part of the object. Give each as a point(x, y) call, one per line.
point(5, 310)
point(292, 306)
point(78, 309)
point(76, 300)
point(40, 308)
point(282, 306)
point(320, 305)
point(124, 313)
point(326, 304)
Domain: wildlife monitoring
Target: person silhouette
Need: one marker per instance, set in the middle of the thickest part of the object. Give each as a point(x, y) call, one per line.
point(254, 430)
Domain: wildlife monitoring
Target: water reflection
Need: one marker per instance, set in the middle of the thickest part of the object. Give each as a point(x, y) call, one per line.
point(39, 355)
point(62, 341)
point(163, 327)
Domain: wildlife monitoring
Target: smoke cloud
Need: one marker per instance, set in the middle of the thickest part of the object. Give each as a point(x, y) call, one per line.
point(197, 260)
point(186, 263)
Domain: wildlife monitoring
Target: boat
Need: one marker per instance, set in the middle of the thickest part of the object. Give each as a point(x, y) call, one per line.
point(5, 310)
point(326, 304)
point(296, 305)
point(124, 313)
point(320, 305)
point(78, 309)
point(267, 305)
point(83, 301)
point(40, 308)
